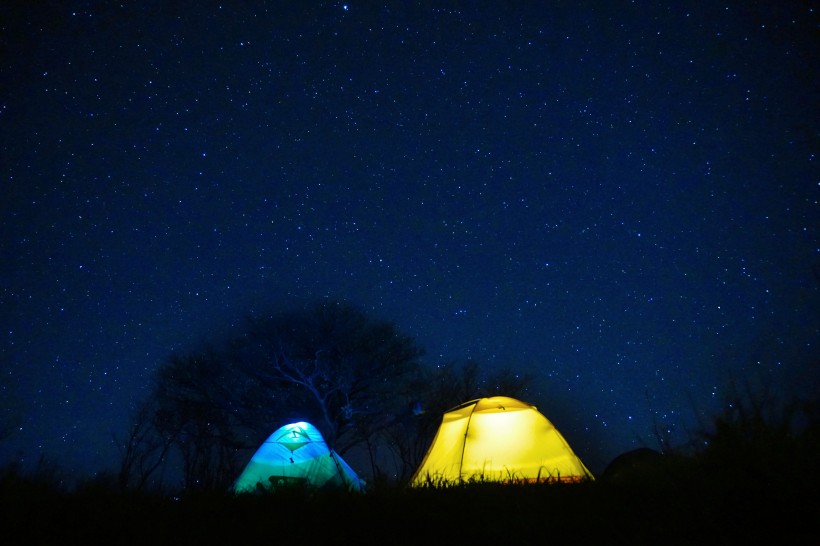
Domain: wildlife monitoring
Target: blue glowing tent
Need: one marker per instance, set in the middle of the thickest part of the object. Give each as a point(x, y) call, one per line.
point(296, 454)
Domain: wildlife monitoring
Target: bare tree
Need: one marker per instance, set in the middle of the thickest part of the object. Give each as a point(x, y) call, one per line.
point(198, 404)
point(346, 370)
point(144, 450)
point(358, 379)
point(329, 364)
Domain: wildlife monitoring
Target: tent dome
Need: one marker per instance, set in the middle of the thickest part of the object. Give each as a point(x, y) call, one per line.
point(296, 453)
point(498, 439)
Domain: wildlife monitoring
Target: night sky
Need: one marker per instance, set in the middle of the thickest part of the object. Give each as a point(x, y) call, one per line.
point(619, 198)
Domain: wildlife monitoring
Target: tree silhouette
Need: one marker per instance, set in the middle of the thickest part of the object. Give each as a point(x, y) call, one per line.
point(344, 370)
point(143, 450)
point(329, 364)
point(196, 400)
point(356, 378)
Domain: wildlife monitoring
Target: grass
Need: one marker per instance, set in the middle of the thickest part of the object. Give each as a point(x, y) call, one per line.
point(755, 477)
point(688, 508)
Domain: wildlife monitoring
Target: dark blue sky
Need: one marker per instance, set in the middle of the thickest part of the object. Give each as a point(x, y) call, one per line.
point(620, 198)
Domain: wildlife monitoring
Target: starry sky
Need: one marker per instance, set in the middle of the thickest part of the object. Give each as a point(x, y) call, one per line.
point(619, 198)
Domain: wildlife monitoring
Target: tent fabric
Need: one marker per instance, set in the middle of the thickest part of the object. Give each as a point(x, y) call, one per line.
point(498, 439)
point(296, 454)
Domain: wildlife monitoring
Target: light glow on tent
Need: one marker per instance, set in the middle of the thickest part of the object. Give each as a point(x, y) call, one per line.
point(498, 439)
point(294, 436)
point(296, 453)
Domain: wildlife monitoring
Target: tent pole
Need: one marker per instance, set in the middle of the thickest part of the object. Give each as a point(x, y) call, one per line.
point(464, 444)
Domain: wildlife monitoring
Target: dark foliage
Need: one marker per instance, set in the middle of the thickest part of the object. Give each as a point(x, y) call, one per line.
point(346, 372)
point(144, 449)
point(695, 511)
point(358, 379)
point(193, 399)
point(329, 364)
point(753, 478)
point(770, 444)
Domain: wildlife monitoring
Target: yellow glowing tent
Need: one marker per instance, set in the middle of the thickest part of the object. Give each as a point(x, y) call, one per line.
point(498, 439)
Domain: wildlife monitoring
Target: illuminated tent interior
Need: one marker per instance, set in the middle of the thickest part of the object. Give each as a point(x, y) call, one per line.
point(296, 454)
point(498, 439)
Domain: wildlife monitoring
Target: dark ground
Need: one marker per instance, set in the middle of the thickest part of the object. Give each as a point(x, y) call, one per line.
point(667, 507)
point(753, 479)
